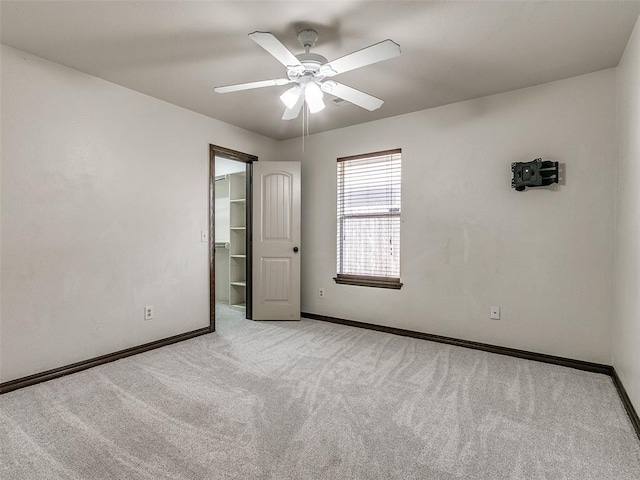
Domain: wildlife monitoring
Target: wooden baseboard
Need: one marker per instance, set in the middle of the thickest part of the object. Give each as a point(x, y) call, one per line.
point(512, 352)
point(93, 362)
point(626, 401)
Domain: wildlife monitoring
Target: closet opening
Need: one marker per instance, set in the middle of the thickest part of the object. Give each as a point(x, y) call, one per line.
point(230, 231)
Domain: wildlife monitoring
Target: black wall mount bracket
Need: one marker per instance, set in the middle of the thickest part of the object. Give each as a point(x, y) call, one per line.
point(536, 173)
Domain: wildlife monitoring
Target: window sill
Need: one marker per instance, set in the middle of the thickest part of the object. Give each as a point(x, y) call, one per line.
point(393, 284)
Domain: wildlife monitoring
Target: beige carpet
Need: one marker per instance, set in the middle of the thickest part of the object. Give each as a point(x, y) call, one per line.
point(306, 400)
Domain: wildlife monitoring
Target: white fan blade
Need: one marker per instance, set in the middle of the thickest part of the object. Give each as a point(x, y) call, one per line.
point(247, 86)
point(367, 56)
point(361, 99)
point(293, 112)
point(272, 45)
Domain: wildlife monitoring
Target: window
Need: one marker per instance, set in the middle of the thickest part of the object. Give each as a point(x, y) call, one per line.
point(369, 219)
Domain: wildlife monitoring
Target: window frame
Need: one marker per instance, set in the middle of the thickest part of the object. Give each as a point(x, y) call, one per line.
point(368, 280)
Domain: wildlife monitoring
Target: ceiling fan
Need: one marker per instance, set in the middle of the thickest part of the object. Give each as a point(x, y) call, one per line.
point(310, 72)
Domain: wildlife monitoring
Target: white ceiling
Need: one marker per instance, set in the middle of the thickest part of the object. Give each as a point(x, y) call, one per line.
point(451, 51)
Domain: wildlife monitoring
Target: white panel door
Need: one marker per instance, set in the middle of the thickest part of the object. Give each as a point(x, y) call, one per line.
point(276, 241)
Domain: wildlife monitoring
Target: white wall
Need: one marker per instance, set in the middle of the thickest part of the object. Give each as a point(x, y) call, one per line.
point(223, 234)
point(626, 324)
point(469, 240)
point(225, 166)
point(104, 194)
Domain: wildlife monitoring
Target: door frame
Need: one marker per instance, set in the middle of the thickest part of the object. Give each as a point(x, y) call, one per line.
point(239, 157)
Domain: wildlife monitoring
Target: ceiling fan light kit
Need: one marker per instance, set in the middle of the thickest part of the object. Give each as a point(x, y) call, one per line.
point(313, 97)
point(290, 97)
point(309, 71)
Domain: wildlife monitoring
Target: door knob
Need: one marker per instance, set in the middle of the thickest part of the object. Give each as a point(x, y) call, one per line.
point(295, 249)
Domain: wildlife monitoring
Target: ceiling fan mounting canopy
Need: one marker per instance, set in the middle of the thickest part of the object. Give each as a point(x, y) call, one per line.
point(307, 38)
point(309, 71)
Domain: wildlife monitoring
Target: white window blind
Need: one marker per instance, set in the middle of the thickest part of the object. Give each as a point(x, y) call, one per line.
point(369, 207)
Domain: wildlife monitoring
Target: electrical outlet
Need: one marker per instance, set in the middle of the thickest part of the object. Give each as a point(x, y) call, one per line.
point(148, 312)
point(495, 313)
point(321, 293)
point(203, 236)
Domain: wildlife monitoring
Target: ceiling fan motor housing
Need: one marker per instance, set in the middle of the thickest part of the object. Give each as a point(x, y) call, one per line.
point(311, 63)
